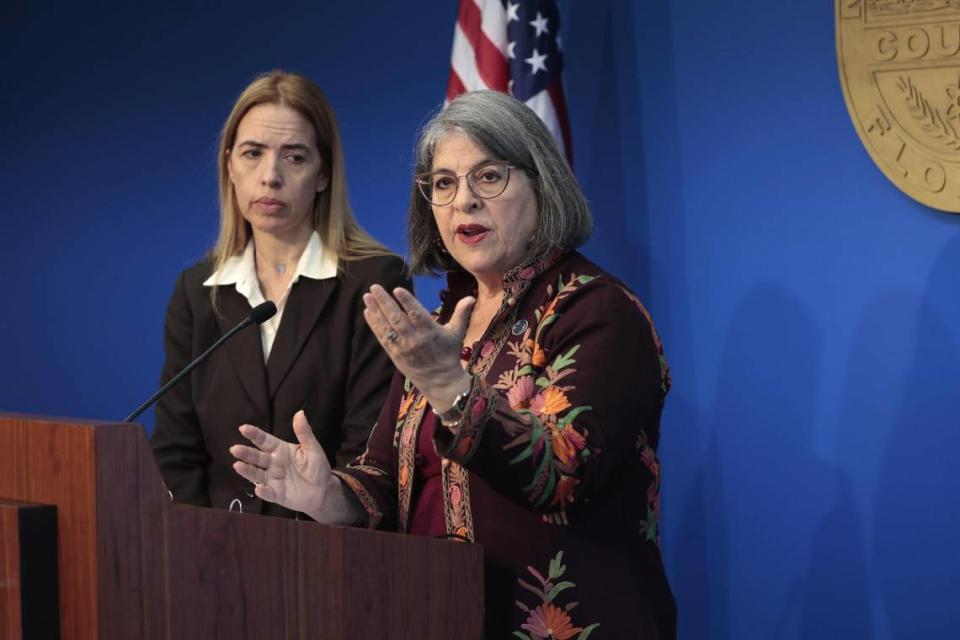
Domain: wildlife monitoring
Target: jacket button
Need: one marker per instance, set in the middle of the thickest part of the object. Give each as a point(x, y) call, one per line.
point(419, 460)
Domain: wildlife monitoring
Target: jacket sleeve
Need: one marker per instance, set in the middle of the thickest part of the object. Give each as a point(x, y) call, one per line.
point(177, 440)
point(370, 368)
point(372, 476)
point(586, 393)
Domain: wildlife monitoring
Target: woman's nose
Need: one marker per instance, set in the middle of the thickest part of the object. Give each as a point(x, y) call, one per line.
point(465, 199)
point(272, 176)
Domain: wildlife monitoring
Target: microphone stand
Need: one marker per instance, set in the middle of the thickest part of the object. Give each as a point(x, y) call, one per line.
point(175, 379)
point(258, 315)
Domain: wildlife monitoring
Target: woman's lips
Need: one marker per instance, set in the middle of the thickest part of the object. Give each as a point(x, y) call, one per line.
point(471, 234)
point(268, 205)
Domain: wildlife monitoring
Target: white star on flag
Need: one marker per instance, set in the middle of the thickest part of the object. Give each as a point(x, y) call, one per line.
point(540, 24)
point(491, 42)
point(537, 62)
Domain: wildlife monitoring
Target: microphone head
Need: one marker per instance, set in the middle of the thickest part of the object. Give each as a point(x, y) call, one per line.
point(263, 312)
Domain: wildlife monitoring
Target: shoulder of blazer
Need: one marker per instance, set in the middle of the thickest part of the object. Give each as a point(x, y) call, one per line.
point(386, 270)
point(194, 294)
point(195, 275)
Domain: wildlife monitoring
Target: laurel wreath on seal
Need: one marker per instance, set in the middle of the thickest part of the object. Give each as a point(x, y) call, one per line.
point(929, 117)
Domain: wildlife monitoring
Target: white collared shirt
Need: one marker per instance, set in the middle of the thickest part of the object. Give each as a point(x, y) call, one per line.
point(241, 270)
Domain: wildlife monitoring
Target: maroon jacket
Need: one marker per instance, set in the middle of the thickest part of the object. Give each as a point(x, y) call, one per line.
point(554, 468)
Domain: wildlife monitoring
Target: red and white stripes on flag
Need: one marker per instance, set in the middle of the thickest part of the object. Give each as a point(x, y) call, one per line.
point(513, 46)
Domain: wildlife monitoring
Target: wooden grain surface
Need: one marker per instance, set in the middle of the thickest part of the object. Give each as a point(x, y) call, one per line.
point(54, 463)
point(10, 622)
point(135, 566)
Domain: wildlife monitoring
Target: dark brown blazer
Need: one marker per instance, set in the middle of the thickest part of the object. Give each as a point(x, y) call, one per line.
point(324, 360)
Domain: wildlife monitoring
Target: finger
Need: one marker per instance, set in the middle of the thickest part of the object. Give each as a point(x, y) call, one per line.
point(460, 318)
point(304, 432)
point(379, 333)
point(394, 314)
point(250, 455)
point(254, 474)
point(416, 313)
point(374, 317)
point(385, 334)
point(263, 440)
point(265, 492)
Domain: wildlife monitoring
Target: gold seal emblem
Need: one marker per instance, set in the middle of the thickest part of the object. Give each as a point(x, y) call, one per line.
point(899, 66)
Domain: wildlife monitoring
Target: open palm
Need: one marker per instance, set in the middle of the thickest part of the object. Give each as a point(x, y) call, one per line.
point(295, 476)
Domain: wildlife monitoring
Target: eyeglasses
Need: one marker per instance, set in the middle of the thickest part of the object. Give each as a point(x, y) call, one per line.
point(485, 181)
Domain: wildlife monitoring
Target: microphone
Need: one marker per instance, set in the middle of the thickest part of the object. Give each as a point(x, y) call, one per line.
point(260, 314)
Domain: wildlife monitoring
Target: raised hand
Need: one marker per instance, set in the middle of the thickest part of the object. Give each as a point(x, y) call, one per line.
point(423, 350)
point(296, 476)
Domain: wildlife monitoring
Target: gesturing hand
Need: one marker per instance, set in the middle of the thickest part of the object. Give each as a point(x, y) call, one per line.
point(423, 350)
point(296, 476)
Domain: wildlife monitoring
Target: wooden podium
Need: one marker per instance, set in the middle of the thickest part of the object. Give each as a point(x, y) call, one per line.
point(127, 563)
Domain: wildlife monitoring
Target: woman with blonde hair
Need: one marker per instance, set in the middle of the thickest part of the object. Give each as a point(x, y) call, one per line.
point(287, 235)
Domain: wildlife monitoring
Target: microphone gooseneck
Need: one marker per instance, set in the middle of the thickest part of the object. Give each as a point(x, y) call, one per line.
point(260, 314)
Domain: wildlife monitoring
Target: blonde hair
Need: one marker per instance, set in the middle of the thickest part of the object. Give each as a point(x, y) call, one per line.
point(332, 216)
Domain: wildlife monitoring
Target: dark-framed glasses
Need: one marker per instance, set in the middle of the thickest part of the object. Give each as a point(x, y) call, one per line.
point(486, 181)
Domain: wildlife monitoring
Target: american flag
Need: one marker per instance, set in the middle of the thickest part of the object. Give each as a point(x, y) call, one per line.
point(513, 46)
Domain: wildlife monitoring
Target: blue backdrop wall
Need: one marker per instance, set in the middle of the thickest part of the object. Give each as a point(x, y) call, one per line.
point(809, 309)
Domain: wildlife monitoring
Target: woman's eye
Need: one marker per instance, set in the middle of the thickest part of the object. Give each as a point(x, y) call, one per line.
point(251, 153)
point(490, 175)
point(442, 182)
point(296, 158)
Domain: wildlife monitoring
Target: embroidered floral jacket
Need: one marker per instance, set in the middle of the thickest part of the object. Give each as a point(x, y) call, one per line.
point(554, 467)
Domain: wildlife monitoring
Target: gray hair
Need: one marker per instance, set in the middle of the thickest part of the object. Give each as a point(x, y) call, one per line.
point(512, 132)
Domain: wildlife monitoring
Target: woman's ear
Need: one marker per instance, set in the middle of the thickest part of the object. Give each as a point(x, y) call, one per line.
point(323, 181)
point(226, 157)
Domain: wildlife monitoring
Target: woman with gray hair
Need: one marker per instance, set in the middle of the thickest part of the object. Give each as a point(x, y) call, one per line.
point(525, 415)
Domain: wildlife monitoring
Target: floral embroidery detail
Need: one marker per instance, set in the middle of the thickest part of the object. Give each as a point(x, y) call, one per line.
point(489, 349)
point(554, 447)
point(539, 357)
point(520, 392)
point(664, 367)
point(548, 621)
point(410, 394)
point(462, 444)
point(405, 406)
point(367, 501)
point(368, 469)
point(564, 491)
point(456, 500)
point(549, 402)
point(407, 430)
point(567, 442)
point(527, 273)
point(649, 527)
